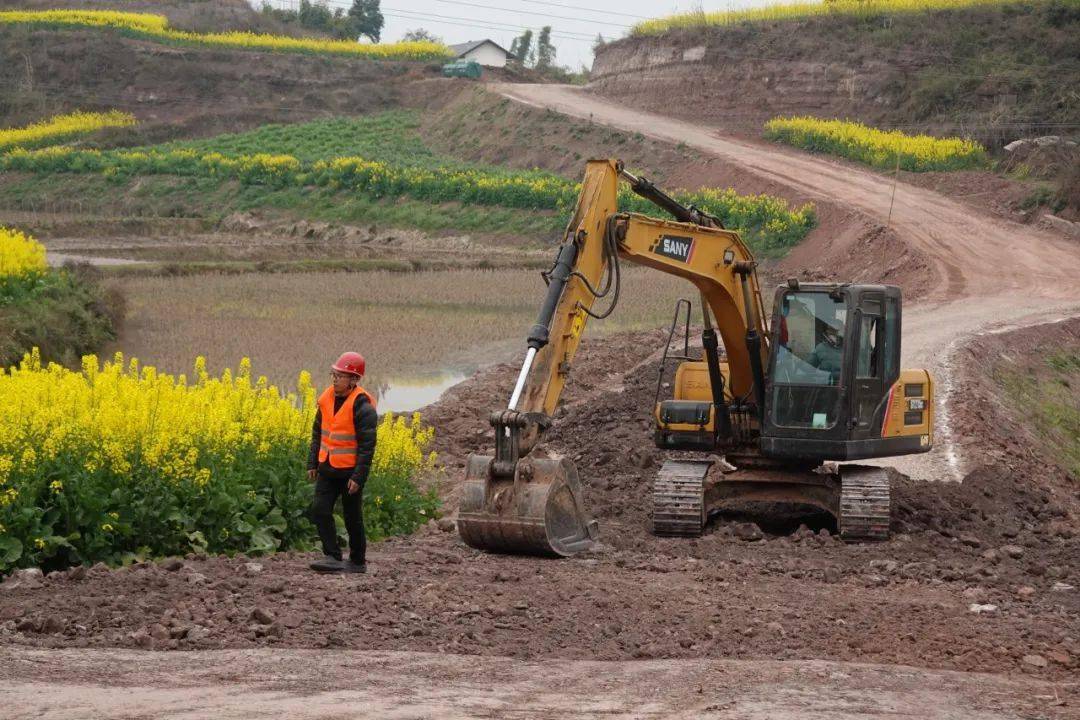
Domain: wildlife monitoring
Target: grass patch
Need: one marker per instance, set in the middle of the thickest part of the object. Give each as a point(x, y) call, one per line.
point(386, 136)
point(67, 314)
point(147, 26)
point(213, 199)
point(63, 312)
point(767, 223)
point(803, 10)
point(1047, 396)
point(1045, 196)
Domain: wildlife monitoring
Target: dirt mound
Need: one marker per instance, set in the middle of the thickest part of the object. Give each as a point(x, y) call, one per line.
point(1012, 494)
point(461, 414)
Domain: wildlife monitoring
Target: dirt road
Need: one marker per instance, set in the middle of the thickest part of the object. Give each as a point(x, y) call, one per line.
point(992, 274)
point(973, 255)
point(301, 684)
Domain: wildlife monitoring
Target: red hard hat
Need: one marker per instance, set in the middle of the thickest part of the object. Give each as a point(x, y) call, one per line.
point(350, 362)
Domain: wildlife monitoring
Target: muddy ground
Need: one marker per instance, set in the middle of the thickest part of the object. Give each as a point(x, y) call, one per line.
point(268, 683)
point(978, 577)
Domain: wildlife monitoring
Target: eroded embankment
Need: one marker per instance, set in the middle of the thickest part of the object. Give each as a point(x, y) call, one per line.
point(183, 92)
point(965, 71)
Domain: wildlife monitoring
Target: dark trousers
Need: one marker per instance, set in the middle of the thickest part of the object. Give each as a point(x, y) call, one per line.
point(327, 491)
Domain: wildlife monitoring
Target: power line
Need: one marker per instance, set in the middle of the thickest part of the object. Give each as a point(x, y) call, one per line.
point(457, 20)
point(531, 12)
point(486, 24)
point(502, 28)
point(585, 9)
point(568, 34)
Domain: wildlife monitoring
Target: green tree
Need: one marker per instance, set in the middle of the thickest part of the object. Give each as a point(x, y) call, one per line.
point(316, 16)
point(421, 35)
point(545, 51)
point(366, 19)
point(521, 47)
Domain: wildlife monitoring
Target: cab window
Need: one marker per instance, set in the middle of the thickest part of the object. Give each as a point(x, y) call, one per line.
point(809, 360)
point(869, 339)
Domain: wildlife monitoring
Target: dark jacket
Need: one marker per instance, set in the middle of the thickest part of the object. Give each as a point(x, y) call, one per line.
point(826, 357)
point(366, 421)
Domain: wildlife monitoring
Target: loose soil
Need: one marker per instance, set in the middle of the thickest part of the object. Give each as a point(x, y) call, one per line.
point(1004, 538)
point(317, 684)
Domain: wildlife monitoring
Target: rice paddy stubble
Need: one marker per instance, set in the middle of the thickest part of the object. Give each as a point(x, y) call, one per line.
point(407, 325)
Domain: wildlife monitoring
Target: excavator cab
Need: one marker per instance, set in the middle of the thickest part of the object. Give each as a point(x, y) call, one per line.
point(835, 389)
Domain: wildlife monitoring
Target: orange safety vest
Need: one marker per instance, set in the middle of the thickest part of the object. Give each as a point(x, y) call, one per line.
point(338, 429)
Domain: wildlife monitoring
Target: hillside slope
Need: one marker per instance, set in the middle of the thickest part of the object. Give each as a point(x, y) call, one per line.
point(193, 15)
point(183, 91)
point(997, 72)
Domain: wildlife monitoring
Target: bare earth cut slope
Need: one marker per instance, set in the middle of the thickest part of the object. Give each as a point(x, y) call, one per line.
point(994, 70)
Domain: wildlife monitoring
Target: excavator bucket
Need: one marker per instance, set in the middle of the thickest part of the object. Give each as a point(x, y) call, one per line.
point(535, 510)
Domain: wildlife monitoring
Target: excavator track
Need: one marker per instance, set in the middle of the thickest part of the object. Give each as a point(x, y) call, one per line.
point(865, 503)
point(679, 498)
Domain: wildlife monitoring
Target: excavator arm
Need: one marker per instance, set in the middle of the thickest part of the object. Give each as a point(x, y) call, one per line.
point(586, 270)
point(513, 502)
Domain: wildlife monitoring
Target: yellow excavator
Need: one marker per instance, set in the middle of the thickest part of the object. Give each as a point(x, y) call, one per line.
point(786, 408)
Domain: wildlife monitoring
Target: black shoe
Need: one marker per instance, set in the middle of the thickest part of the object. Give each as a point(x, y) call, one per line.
point(351, 567)
point(328, 564)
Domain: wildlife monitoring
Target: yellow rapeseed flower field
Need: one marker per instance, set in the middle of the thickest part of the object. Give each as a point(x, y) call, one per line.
point(118, 460)
point(882, 149)
point(767, 222)
point(156, 27)
point(21, 257)
point(798, 10)
point(61, 127)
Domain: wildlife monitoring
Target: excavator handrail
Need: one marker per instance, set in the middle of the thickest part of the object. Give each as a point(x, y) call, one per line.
point(680, 303)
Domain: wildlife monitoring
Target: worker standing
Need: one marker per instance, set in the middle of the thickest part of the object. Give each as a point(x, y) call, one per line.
point(342, 448)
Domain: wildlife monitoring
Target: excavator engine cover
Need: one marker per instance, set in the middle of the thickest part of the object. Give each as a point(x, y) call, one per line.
point(536, 510)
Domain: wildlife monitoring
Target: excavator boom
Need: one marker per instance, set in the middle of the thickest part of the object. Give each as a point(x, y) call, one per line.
point(517, 502)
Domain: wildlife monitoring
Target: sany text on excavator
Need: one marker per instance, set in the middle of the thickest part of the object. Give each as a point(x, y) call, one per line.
point(824, 386)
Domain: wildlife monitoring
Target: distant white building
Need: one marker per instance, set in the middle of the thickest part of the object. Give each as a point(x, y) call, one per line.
point(485, 52)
